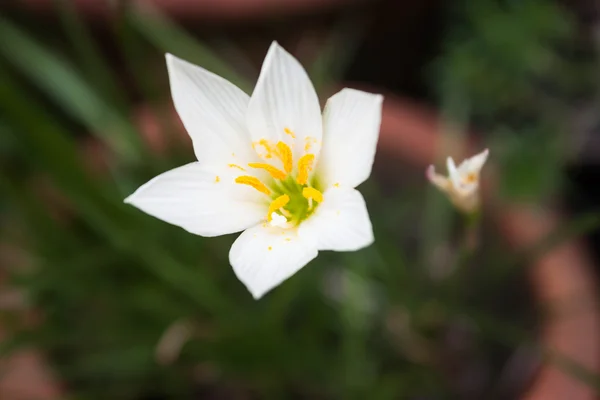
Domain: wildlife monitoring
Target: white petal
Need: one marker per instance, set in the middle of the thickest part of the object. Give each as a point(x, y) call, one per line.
point(341, 222)
point(284, 98)
point(193, 198)
point(474, 164)
point(351, 124)
point(278, 220)
point(453, 173)
point(438, 180)
point(263, 257)
point(212, 111)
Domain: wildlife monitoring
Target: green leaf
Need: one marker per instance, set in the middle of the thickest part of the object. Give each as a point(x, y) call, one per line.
point(61, 82)
point(49, 147)
point(97, 69)
point(167, 36)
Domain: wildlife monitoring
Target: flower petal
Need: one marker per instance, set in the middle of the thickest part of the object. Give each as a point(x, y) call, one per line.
point(351, 123)
point(341, 222)
point(284, 100)
point(196, 199)
point(438, 180)
point(263, 257)
point(474, 164)
point(453, 174)
point(212, 111)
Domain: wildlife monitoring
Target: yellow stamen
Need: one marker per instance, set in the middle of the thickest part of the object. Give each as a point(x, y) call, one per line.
point(336, 185)
point(270, 248)
point(254, 182)
point(217, 179)
point(471, 178)
point(276, 204)
point(285, 153)
point(274, 172)
point(304, 168)
point(288, 131)
point(236, 166)
point(312, 193)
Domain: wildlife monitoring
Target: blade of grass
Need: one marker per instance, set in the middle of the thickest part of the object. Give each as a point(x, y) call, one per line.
point(132, 48)
point(61, 82)
point(337, 53)
point(48, 146)
point(355, 323)
point(38, 130)
point(96, 68)
point(36, 218)
point(167, 36)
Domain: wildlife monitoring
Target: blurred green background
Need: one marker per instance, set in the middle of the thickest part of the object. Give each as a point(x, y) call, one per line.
point(122, 306)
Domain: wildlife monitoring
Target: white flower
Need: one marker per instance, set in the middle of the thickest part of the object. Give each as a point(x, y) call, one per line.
point(269, 165)
point(462, 184)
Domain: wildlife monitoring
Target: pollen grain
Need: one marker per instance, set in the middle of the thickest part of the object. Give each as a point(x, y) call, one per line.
point(290, 132)
point(236, 166)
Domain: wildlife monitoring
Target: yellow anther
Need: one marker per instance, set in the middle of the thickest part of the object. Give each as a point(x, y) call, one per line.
point(288, 131)
point(337, 185)
point(312, 193)
point(276, 204)
point(254, 182)
point(274, 172)
point(471, 178)
point(285, 154)
point(217, 179)
point(236, 166)
point(304, 168)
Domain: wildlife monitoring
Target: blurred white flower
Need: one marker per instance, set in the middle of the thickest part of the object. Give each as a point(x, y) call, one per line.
point(462, 183)
point(269, 165)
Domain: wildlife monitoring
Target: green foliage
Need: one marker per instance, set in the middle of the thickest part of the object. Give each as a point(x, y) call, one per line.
point(519, 68)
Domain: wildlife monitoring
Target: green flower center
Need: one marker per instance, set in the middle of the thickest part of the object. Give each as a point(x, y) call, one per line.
point(294, 201)
point(293, 194)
